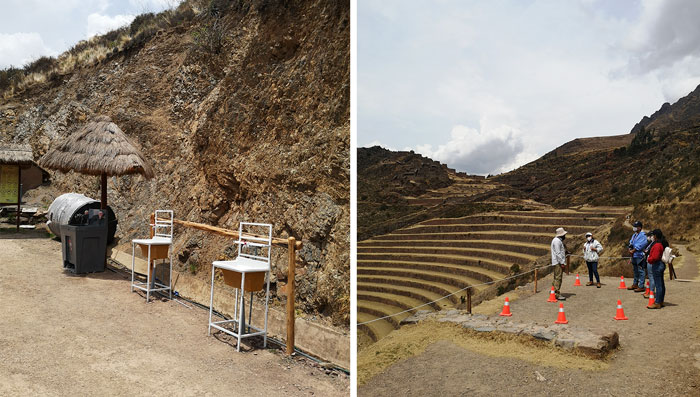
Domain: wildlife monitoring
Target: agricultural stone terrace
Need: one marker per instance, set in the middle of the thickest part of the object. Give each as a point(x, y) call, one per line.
point(419, 264)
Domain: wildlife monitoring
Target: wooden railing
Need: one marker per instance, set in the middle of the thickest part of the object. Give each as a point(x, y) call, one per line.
point(292, 246)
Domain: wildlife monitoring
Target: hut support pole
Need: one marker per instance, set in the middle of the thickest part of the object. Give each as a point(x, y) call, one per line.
point(290, 295)
point(103, 199)
point(19, 193)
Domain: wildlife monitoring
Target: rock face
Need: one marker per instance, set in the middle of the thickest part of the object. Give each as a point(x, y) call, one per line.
point(259, 132)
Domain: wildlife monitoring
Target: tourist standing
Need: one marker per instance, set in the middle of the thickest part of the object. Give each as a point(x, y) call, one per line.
point(649, 273)
point(558, 260)
point(657, 268)
point(636, 248)
point(591, 252)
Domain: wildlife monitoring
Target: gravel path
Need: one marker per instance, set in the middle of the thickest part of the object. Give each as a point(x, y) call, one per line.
point(90, 335)
point(659, 353)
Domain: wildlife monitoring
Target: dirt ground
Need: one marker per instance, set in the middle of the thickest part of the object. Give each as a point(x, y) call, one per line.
point(62, 334)
point(659, 350)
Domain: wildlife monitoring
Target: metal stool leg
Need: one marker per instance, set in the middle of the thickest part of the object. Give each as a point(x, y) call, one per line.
point(250, 311)
point(148, 275)
point(133, 253)
point(170, 283)
point(267, 297)
point(211, 298)
point(241, 315)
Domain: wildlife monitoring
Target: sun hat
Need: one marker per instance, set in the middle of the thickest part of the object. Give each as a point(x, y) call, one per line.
point(561, 232)
point(589, 234)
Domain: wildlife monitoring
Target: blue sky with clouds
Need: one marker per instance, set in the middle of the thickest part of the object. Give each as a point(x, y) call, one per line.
point(33, 28)
point(487, 86)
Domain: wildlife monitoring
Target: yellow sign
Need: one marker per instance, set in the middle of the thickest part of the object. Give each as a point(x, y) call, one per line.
point(9, 182)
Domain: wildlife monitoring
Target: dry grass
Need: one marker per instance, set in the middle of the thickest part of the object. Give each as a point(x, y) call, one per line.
point(412, 340)
point(96, 49)
point(99, 147)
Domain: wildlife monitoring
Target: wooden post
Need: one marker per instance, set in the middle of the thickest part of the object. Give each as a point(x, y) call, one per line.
point(19, 193)
point(103, 198)
point(671, 272)
point(469, 300)
point(568, 260)
point(153, 222)
point(535, 280)
point(291, 245)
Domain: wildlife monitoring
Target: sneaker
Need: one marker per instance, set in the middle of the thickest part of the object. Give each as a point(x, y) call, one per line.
point(597, 285)
point(634, 286)
point(640, 290)
point(589, 283)
point(654, 306)
point(561, 298)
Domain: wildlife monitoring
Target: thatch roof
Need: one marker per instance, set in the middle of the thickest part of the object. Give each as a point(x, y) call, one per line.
point(12, 153)
point(99, 147)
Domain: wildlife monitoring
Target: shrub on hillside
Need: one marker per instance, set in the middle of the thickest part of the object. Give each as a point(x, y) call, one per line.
point(211, 37)
point(41, 65)
point(10, 77)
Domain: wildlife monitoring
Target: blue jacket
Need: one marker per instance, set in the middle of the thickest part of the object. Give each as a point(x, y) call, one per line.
point(639, 242)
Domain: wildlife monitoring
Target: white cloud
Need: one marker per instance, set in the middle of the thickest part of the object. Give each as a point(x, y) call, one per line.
point(18, 49)
point(447, 76)
point(483, 151)
point(100, 24)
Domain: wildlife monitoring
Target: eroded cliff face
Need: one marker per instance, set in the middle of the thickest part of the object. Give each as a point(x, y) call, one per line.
point(259, 132)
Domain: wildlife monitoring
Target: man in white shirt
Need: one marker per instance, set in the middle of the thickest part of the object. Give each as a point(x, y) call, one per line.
point(558, 260)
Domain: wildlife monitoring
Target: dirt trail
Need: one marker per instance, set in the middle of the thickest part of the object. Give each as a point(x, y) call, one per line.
point(687, 269)
point(64, 335)
point(659, 353)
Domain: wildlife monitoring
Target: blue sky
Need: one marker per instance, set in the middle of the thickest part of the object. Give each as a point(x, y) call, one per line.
point(33, 28)
point(487, 86)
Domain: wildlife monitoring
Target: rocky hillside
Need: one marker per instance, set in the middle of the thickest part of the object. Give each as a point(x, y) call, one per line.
point(397, 189)
point(655, 168)
point(243, 110)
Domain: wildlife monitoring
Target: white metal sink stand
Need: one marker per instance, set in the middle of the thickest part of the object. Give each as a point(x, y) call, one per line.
point(162, 236)
point(248, 261)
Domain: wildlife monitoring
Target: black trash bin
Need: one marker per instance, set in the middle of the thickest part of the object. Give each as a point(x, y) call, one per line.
point(85, 244)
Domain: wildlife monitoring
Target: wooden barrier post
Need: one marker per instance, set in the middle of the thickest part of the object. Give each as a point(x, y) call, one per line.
point(153, 222)
point(568, 260)
point(290, 295)
point(535, 280)
point(469, 300)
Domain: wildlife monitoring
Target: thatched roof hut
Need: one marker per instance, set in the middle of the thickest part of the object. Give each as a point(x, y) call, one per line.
point(98, 148)
point(11, 153)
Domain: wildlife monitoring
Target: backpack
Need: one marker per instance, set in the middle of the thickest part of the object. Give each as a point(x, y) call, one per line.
point(667, 256)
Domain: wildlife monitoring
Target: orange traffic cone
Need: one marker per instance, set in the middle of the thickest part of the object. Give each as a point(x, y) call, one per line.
point(552, 296)
point(651, 299)
point(648, 290)
point(620, 312)
point(622, 283)
point(561, 318)
point(506, 309)
point(577, 283)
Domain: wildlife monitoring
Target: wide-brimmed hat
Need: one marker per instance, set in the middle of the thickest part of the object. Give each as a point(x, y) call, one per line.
point(589, 234)
point(561, 232)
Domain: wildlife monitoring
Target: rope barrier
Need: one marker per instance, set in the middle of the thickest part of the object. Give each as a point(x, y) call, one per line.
point(603, 257)
point(479, 285)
